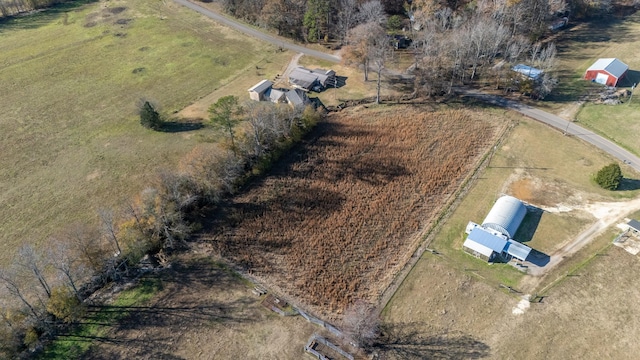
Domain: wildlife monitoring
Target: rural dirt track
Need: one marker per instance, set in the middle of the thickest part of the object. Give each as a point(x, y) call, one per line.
point(258, 34)
point(608, 214)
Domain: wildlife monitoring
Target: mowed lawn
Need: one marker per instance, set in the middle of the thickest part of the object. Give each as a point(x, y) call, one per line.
point(578, 48)
point(70, 139)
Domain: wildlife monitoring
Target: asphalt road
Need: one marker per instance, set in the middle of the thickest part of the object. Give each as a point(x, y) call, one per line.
point(258, 34)
point(569, 128)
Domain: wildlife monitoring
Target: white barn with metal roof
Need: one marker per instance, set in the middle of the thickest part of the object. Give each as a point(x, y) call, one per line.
point(506, 216)
point(494, 238)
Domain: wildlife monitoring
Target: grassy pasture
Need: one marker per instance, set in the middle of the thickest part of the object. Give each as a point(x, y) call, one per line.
point(69, 135)
point(578, 48)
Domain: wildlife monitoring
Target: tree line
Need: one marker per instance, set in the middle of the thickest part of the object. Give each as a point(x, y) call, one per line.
point(15, 7)
point(454, 42)
point(47, 286)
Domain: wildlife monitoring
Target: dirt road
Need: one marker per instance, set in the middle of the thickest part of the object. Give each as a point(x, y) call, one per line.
point(258, 34)
point(608, 214)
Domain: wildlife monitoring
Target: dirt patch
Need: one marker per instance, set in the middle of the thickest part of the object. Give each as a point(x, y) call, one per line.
point(522, 189)
point(545, 193)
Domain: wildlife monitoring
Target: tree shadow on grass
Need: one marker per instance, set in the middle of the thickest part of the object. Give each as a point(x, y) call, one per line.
point(152, 331)
point(175, 126)
point(627, 184)
point(406, 341)
point(37, 18)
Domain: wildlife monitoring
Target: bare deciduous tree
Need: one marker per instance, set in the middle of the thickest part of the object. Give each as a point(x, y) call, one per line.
point(347, 18)
point(109, 228)
point(372, 12)
point(15, 286)
point(361, 324)
point(33, 263)
point(67, 263)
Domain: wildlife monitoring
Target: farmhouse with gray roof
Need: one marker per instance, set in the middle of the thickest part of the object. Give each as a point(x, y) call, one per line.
point(264, 91)
point(316, 79)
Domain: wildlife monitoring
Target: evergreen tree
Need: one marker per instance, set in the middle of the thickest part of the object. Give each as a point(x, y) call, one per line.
point(609, 177)
point(149, 117)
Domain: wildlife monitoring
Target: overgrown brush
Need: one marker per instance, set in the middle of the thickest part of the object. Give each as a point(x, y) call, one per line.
point(333, 223)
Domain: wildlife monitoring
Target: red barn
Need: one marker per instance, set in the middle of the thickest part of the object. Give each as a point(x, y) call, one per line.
point(606, 71)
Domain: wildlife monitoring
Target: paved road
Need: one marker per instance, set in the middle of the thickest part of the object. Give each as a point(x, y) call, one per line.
point(569, 128)
point(258, 34)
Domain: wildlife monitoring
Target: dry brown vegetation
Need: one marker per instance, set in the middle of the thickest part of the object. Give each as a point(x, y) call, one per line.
point(338, 217)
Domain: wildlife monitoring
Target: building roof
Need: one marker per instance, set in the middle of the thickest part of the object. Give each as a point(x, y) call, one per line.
point(517, 250)
point(505, 216)
point(479, 248)
point(303, 77)
point(613, 66)
point(634, 224)
point(296, 97)
point(487, 239)
point(306, 79)
point(262, 86)
point(527, 71)
point(276, 95)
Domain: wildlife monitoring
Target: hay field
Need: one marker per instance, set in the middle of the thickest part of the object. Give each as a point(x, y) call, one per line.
point(338, 217)
point(70, 140)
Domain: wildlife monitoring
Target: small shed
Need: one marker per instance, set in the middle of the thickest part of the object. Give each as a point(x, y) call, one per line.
point(527, 71)
point(607, 71)
point(634, 226)
point(259, 91)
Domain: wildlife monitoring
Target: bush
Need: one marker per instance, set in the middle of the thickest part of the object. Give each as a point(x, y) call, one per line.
point(609, 177)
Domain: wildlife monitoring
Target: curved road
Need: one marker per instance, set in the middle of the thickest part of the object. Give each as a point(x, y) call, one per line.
point(258, 34)
point(565, 126)
point(550, 119)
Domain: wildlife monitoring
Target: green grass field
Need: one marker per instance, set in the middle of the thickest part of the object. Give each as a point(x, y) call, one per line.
point(578, 48)
point(70, 139)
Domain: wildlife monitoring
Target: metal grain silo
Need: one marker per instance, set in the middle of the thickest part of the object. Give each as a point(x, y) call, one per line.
point(505, 216)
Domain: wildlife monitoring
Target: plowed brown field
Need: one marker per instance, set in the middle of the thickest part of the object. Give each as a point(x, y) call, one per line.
point(342, 213)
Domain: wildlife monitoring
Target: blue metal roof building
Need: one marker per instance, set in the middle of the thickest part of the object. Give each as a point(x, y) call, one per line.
point(528, 71)
point(495, 236)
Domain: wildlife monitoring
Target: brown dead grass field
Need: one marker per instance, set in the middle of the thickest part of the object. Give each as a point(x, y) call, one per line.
point(338, 217)
point(203, 312)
